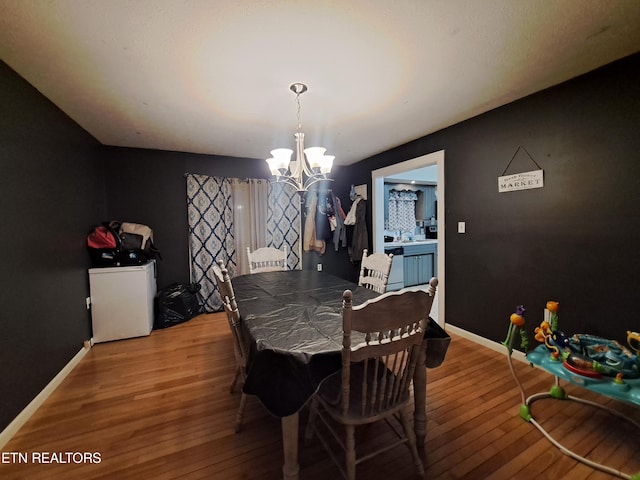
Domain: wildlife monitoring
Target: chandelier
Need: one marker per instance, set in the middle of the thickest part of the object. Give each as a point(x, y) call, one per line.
point(311, 165)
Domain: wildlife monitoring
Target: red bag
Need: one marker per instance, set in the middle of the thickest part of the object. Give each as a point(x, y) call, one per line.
point(103, 244)
point(101, 237)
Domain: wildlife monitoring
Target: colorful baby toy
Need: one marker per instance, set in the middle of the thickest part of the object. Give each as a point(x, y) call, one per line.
point(598, 364)
point(585, 354)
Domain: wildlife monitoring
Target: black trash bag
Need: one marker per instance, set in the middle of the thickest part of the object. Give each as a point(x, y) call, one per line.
point(176, 304)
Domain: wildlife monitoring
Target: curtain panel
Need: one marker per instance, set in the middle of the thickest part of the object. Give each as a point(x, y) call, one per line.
point(249, 199)
point(210, 216)
point(284, 222)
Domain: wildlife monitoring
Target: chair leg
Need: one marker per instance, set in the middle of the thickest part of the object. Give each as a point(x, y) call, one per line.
point(313, 413)
point(351, 452)
point(240, 414)
point(234, 382)
point(411, 441)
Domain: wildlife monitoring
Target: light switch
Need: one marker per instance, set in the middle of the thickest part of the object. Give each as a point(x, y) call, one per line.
point(462, 227)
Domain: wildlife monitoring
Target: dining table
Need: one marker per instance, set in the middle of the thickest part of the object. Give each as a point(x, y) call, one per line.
point(293, 320)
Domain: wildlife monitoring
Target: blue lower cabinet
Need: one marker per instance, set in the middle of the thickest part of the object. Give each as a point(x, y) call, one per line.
point(420, 264)
point(418, 269)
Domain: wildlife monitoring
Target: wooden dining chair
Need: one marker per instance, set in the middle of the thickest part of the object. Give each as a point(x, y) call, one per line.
point(240, 346)
point(382, 339)
point(267, 259)
point(374, 271)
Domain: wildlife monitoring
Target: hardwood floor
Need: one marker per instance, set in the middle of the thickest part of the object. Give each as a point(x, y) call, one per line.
point(159, 407)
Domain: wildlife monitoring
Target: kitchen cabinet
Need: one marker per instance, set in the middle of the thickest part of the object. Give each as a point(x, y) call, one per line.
point(426, 205)
point(420, 263)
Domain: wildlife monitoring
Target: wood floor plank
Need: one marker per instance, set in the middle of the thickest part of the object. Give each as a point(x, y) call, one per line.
point(159, 407)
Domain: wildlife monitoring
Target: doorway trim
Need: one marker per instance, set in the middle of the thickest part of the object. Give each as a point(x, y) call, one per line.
point(377, 182)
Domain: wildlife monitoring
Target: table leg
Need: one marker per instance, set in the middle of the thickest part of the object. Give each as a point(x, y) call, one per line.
point(420, 401)
point(290, 469)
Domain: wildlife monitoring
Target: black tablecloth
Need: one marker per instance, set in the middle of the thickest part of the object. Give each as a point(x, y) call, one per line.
point(295, 320)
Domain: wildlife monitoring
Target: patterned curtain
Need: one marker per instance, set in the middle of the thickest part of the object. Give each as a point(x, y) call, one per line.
point(284, 220)
point(210, 215)
point(402, 210)
point(211, 229)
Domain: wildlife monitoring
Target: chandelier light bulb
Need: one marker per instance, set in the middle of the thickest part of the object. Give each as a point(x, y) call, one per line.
point(327, 164)
point(279, 161)
point(314, 156)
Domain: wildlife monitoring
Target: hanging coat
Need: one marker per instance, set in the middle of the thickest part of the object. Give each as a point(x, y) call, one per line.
point(360, 240)
point(340, 232)
point(309, 240)
point(324, 210)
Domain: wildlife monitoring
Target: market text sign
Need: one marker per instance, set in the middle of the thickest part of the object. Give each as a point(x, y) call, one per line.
point(521, 181)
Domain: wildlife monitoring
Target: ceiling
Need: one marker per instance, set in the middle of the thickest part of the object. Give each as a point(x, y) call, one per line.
point(213, 76)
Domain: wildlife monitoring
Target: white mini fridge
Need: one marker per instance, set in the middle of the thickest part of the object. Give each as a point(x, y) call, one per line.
point(122, 301)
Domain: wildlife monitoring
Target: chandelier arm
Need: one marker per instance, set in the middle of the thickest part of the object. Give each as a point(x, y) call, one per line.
point(300, 154)
point(305, 166)
point(290, 182)
point(296, 172)
point(313, 180)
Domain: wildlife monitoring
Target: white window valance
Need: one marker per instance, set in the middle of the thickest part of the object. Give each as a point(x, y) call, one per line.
point(402, 210)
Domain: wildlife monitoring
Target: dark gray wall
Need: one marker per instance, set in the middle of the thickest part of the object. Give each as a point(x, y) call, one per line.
point(149, 187)
point(50, 193)
point(576, 239)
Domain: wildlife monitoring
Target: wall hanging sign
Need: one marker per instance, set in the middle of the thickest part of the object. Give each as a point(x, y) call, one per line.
point(523, 180)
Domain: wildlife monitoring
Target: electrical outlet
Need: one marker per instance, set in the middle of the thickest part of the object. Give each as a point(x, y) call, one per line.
point(88, 302)
point(462, 228)
point(319, 267)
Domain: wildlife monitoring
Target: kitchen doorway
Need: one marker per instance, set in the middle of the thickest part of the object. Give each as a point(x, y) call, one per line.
point(377, 181)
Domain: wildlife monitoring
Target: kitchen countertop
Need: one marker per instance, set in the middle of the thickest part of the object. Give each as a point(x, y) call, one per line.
point(413, 242)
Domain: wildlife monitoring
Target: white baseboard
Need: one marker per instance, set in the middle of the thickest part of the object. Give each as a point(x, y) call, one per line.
point(497, 347)
point(17, 423)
